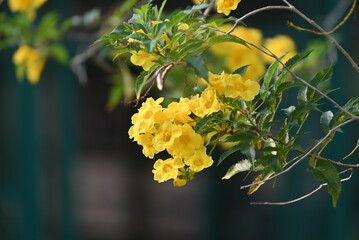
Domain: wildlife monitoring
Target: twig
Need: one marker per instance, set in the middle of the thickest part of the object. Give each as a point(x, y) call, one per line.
point(208, 9)
point(330, 38)
point(255, 12)
point(302, 197)
point(269, 53)
point(303, 157)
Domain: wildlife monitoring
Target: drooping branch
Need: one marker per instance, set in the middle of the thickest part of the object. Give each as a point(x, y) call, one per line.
point(306, 195)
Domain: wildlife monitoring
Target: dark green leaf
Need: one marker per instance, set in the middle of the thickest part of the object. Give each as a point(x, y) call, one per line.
point(325, 171)
point(198, 65)
point(242, 70)
point(223, 38)
point(229, 152)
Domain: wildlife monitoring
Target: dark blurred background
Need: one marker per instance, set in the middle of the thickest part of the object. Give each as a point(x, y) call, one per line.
point(68, 170)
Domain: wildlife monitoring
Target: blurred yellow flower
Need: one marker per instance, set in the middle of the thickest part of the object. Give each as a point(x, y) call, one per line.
point(166, 169)
point(226, 6)
point(146, 141)
point(27, 6)
point(238, 55)
point(279, 45)
point(33, 61)
point(197, 2)
point(144, 59)
point(179, 182)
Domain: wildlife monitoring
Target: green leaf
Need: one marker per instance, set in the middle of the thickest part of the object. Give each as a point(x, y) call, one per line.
point(326, 118)
point(249, 151)
point(239, 136)
point(198, 65)
point(288, 110)
point(302, 95)
point(269, 74)
point(223, 38)
point(228, 152)
point(320, 77)
point(241, 166)
point(325, 171)
point(140, 82)
point(203, 122)
point(242, 70)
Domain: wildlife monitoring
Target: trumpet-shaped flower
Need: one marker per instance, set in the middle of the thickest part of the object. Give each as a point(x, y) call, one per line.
point(226, 6)
point(166, 135)
point(146, 141)
point(27, 6)
point(178, 112)
point(149, 114)
point(199, 160)
point(207, 102)
point(166, 169)
point(186, 143)
point(33, 61)
point(143, 59)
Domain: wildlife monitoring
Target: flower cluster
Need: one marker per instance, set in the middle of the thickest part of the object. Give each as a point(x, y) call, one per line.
point(171, 129)
point(30, 61)
point(157, 129)
point(238, 55)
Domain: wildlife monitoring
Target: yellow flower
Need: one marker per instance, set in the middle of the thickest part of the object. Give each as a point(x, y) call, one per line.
point(165, 136)
point(249, 89)
point(178, 112)
point(27, 6)
point(279, 45)
point(166, 169)
point(32, 59)
point(179, 182)
point(149, 114)
point(238, 55)
point(144, 59)
point(186, 143)
point(226, 6)
point(199, 160)
point(146, 141)
point(197, 2)
point(207, 103)
point(183, 26)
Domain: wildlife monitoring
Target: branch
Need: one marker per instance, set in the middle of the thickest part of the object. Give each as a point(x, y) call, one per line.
point(303, 157)
point(305, 196)
point(328, 36)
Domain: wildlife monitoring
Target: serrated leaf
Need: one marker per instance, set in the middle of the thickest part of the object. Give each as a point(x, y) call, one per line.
point(325, 171)
point(198, 65)
point(240, 166)
point(261, 177)
point(326, 118)
point(249, 151)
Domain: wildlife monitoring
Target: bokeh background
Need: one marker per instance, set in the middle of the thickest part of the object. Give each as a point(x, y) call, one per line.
point(68, 170)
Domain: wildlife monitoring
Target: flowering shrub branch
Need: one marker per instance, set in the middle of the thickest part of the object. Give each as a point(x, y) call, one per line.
point(237, 104)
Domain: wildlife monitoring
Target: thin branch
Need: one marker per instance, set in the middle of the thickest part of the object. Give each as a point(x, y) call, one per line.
point(269, 53)
point(255, 12)
point(208, 9)
point(303, 157)
point(328, 36)
point(305, 196)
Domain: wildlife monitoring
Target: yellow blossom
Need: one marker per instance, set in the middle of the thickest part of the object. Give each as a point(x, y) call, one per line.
point(165, 136)
point(179, 182)
point(32, 59)
point(27, 6)
point(207, 102)
point(144, 59)
point(197, 2)
point(249, 89)
point(187, 142)
point(226, 6)
point(183, 26)
point(148, 115)
point(178, 112)
point(199, 160)
point(279, 45)
point(166, 169)
point(146, 141)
